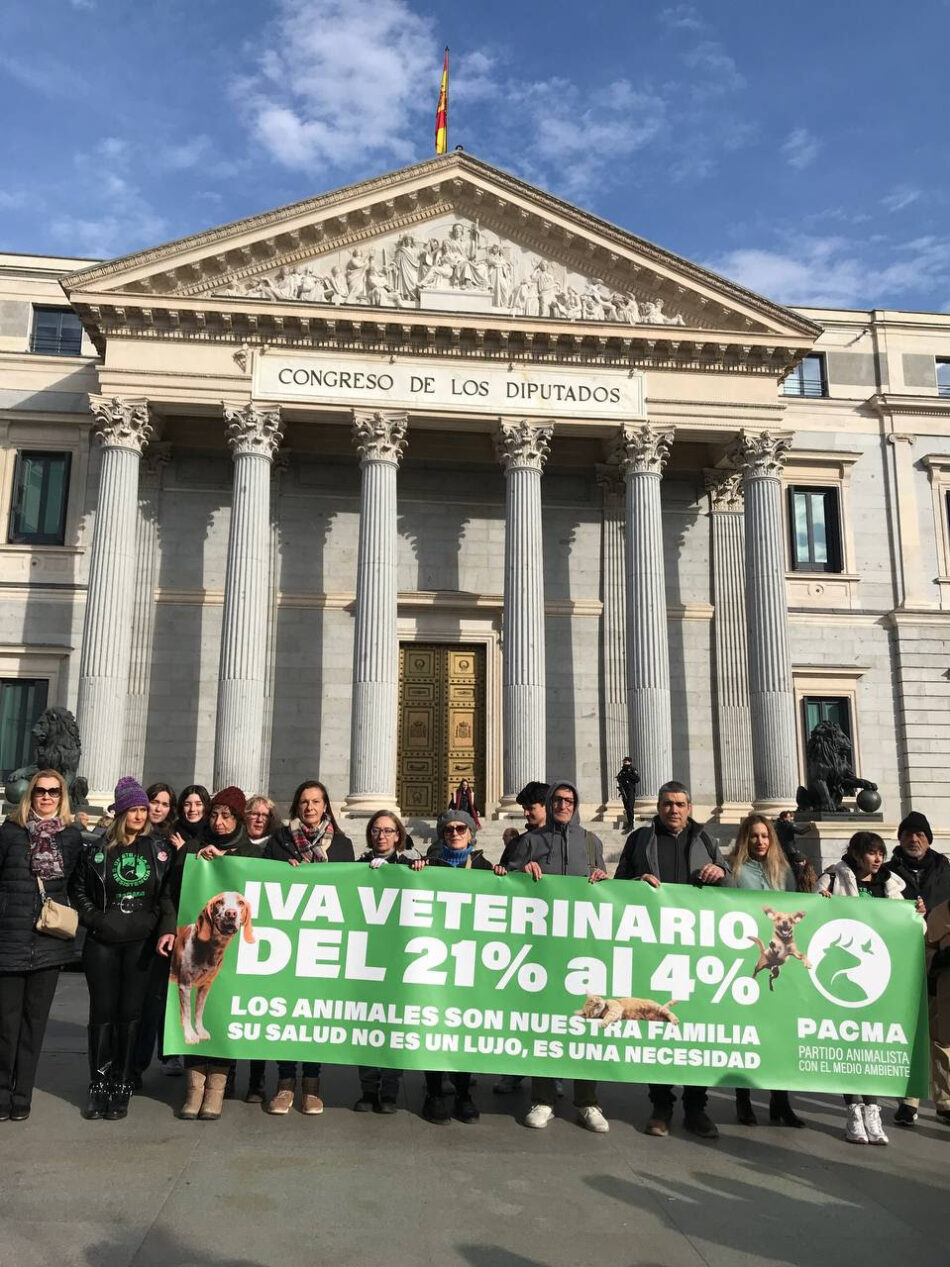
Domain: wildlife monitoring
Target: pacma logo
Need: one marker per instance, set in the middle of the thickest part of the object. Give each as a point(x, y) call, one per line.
point(851, 965)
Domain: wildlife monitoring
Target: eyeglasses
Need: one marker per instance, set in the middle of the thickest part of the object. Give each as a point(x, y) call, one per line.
point(454, 829)
point(47, 791)
point(383, 831)
point(257, 813)
point(562, 800)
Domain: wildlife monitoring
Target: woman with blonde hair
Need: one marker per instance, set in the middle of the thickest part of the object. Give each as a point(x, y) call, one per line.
point(39, 850)
point(758, 863)
point(120, 886)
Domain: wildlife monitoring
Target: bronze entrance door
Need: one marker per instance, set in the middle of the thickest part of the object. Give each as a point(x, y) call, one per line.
point(441, 725)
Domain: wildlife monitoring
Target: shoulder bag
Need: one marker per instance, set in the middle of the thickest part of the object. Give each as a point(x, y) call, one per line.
point(56, 919)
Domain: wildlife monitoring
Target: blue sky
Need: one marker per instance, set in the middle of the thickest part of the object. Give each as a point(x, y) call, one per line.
point(801, 150)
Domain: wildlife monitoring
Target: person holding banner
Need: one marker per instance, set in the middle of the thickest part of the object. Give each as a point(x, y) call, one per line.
point(312, 836)
point(759, 862)
point(674, 849)
point(386, 838)
point(561, 847)
point(39, 849)
point(455, 847)
point(121, 890)
point(863, 872)
point(208, 1079)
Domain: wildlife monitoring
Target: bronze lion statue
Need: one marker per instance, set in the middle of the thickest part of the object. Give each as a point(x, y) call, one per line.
point(56, 746)
point(830, 774)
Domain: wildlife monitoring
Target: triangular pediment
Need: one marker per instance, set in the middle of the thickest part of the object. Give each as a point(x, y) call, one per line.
point(452, 235)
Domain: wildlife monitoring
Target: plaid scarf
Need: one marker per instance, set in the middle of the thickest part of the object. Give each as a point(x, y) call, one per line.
point(46, 859)
point(308, 842)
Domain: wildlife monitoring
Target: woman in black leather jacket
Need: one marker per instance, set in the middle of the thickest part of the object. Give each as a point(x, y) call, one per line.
point(38, 842)
point(120, 890)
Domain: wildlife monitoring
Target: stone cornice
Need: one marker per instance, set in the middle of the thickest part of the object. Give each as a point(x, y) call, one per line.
point(245, 323)
point(927, 406)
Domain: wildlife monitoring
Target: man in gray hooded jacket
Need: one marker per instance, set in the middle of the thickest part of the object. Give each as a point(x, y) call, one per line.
point(561, 847)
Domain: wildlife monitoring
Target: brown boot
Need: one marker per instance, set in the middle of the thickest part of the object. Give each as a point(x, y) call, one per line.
point(283, 1101)
point(213, 1100)
point(311, 1096)
point(194, 1093)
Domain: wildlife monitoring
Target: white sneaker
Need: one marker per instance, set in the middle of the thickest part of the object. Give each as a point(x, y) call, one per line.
point(872, 1124)
point(538, 1116)
point(855, 1132)
point(507, 1083)
point(592, 1119)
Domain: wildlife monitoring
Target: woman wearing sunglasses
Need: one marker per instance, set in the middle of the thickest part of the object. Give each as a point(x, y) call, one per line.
point(38, 844)
point(455, 848)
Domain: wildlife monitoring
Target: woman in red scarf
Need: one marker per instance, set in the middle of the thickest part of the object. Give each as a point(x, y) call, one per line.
point(463, 798)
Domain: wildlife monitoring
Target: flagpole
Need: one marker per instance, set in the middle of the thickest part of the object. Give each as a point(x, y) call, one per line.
point(442, 109)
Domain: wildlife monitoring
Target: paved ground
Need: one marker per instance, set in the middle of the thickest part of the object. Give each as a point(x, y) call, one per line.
point(341, 1189)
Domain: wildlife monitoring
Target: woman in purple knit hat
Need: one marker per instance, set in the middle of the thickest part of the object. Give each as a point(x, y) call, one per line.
point(120, 889)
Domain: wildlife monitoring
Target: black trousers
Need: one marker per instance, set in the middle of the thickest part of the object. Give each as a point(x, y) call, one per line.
point(287, 1069)
point(663, 1099)
point(25, 1001)
point(152, 1024)
point(460, 1081)
point(118, 977)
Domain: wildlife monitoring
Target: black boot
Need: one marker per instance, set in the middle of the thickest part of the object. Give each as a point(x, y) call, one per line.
point(780, 1110)
point(744, 1110)
point(255, 1083)
point(120, 1092)
point(99, 1038)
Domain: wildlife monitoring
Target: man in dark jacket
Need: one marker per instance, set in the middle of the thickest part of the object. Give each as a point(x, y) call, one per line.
point(674, 849)
point(561, 847)
point(926, 875)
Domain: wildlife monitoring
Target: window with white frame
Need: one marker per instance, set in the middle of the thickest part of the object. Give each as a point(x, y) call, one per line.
point(807, 378)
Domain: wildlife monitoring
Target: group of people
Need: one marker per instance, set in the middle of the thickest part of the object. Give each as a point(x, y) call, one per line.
point(123, 879)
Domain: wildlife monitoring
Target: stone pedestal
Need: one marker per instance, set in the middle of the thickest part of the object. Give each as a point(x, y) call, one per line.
point(122, 428)
point(380, 438)
point(253, 435)
point(643, 452)
point(771, 695)
point(522, 447)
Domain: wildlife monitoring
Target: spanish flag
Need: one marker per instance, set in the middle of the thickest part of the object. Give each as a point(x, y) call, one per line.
point(442, 110)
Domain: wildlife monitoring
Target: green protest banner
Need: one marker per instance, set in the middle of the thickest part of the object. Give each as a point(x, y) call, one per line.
point(466, 970)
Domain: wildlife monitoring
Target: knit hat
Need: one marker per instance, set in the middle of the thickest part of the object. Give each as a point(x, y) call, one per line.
point(916, 822)
point(129, 794)
point(233, 799)
point(533, 794)
point(456, 816)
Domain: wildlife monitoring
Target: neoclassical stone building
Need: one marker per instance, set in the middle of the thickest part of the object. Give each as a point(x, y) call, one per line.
point(437, 476)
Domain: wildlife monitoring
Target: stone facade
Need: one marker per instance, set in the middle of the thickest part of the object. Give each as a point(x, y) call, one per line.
point(188, 332)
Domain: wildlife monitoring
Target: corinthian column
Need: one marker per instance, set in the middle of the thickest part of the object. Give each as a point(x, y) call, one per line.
point(613, 631)
point(732, 665)
point(523, 448)
point(253, 435)
point(122, 428)
point(771, 697)
point(643, 452)
point(380, 438)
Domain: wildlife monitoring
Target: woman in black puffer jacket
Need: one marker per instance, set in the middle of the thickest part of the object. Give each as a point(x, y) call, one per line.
point(37, 842)
point(121, 893)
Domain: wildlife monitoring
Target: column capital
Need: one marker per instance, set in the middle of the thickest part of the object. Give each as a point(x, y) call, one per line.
point(761, 454)
point(643, 449)
point(609, 476)
point(252, 429)
point(380, 435)
point(121, 422)
point(520, 444)
point(725, 489)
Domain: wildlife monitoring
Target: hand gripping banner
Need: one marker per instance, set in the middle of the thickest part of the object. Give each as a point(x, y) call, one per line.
point(617, 981)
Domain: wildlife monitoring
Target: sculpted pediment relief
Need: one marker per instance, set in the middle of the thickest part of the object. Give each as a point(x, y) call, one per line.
point(454, 264)
point(450, 235)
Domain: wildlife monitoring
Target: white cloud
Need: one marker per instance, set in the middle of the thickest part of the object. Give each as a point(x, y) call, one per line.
point(12, 200)
point(841, 272)
point(341, 81)
point(682, 17)
point(716, 72)
point(45, 74)
point(800, 148)
point(900, 197)
point(109, 215)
